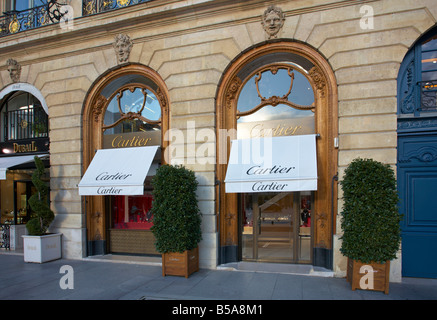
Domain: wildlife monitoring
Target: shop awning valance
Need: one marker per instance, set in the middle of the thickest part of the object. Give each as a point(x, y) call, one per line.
point(117, 171)
point(272, 164)
point(9, 162)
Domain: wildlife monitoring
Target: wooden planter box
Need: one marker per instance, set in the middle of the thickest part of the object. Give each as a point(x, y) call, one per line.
point(381, 274)
point(180, 264)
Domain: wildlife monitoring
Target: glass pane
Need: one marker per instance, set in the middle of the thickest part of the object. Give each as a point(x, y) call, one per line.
point(429, 75)
point(276, 85)
point(430, 44)
point(132, 212)
point(429, 60)
point(132, 102)
point(275, 234)
point(247, 226)
point(305, 226)
point(26, 4)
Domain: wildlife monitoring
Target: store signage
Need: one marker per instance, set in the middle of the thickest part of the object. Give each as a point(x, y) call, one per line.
point(275, 128)
point(272, 164)
point(118, 171)
point(25, 146)
point(132, 139)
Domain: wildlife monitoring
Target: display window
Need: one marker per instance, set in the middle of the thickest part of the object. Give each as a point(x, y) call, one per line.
point(132, 212)
point(23, 134)
point(126, 112)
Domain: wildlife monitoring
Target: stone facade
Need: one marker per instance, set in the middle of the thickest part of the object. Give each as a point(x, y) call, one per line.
point(190, 44)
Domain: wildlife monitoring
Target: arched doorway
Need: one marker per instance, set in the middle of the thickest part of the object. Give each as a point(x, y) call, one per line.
point(126, 108)
point(24, 134)
point(293, 78)
point(417, 157)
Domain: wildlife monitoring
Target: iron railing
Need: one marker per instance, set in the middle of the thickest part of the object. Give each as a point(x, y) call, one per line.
point(90, 7)
point(26, 124)
point(15, 21)
point(428, 96)
point(5, 236)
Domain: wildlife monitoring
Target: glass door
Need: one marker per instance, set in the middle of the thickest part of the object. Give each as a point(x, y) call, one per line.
point(276, 227)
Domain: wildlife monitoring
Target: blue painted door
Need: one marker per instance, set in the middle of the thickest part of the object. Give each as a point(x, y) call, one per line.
point(417, 185)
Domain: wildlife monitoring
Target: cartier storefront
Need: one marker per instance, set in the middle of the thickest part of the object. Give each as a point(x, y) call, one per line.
point(275, 200)
point(126, 115)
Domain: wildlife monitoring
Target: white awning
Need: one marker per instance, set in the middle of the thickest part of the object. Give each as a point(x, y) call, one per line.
point(272, 164)
point(117, 171)
point(8, 162)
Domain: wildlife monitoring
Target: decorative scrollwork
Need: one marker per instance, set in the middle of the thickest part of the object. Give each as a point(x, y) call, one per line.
point(162, 98)
point(98, 107)
point(273, 100)
point(232, 91)
point(131, 115)
point(318, 79)
point(423, 154)
point(407, 102)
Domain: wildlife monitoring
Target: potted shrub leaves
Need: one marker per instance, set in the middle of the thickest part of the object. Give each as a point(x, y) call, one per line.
point(176, 220)
point(40, 246)
point(370, 222)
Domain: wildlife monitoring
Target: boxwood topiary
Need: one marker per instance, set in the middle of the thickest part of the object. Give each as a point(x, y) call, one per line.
point(44, 216)
point(176, 216)
point(370, 217)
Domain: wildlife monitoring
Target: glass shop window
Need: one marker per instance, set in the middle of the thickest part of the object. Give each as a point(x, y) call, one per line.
point(133, 119)
point(276, 100)
point(132, 212)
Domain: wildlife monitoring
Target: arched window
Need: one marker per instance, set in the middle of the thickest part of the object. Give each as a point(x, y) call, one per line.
point(126, 109)
point(24, 134)
point(417, 81)
point(22, 117)
point(279, 89)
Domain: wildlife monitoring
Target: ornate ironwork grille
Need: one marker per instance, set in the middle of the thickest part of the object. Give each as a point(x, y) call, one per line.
point(5, 236)
point(26, 124)
point(97, 6)
point(16, 21)
point(428, 101)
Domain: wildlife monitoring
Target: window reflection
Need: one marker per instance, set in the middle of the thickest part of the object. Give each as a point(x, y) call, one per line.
point(276, 85)
point(141, 102)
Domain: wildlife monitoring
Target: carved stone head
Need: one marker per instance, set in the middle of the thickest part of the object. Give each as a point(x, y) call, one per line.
point(273, 20)
point(122, 45)
point(14, 69)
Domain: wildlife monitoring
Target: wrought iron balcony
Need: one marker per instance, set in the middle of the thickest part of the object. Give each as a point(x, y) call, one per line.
point(90, 7)
point(428, 96)
point(15, 21)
